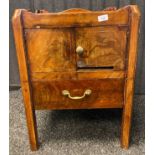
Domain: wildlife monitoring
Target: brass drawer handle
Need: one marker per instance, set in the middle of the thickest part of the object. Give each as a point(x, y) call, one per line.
point(67, 93)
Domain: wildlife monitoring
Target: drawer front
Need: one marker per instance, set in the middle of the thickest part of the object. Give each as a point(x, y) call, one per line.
point(50, 50)
point(106, 93)
point(102, 47)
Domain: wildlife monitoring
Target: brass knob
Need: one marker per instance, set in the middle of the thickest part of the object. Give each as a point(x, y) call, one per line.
point(79, 50)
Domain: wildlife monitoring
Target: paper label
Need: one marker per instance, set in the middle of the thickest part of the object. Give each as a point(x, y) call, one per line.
point(102, 18)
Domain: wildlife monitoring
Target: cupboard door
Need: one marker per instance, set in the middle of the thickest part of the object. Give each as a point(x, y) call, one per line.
point(50, 50)
point(101, 47)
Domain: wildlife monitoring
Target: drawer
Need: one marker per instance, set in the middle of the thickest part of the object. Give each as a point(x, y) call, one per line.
point(85, 94)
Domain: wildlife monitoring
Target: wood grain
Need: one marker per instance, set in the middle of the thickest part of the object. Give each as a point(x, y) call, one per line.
point(50, 50)
point(14, 79)
point(77, 75)
point(22, 62)
point(61, 5)
point(103, 46)
point(84, 18)
point(105, 94)
point(46, 49)
point(129, 86)
point(100, 74)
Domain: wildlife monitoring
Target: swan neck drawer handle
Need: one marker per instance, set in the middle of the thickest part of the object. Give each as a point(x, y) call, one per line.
point(67, 93)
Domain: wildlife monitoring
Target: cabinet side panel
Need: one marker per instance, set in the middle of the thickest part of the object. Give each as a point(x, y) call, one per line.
point(22, 62)
point(129, 86)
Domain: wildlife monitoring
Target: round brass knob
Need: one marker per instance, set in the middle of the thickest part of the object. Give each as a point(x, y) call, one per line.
point(79, 50)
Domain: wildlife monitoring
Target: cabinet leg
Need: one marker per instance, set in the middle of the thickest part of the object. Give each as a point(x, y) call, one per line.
point(32, 130)
point(127, 115)
point(30, 117)
point(125, 131)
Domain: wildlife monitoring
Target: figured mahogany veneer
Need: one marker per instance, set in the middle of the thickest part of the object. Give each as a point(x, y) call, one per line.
point(73, 60)
point(102, 46)
point(106, 93)
point(53, 53)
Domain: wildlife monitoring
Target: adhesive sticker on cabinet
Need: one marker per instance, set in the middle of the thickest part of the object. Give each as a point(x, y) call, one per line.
point(102, 18)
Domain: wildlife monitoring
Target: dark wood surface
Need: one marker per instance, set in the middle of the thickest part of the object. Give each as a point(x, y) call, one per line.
point(131, 70)
point(60, 5)
point(31, 20)
point(13, 66)
point(43, 49)
point(80, 74)
point(53, 53)
point(24, 78)
point(107, 93)
point(102, 46)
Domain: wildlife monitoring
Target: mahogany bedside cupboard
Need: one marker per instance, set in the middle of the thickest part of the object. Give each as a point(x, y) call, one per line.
point(77, 59)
